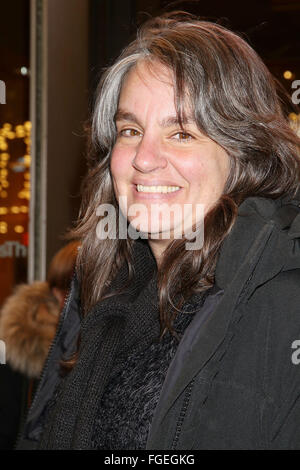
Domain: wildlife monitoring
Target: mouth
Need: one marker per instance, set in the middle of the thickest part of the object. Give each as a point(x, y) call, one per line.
point(156, 189)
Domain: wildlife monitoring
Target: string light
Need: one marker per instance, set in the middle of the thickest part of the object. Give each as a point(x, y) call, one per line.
point(287, 75)
point(3, 227)
point(293, 116)
point(295, 122)
point(27, 160)
point(24, 70)
point(8, 133)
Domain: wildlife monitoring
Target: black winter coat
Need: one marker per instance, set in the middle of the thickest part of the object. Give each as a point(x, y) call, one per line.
point(234, 382)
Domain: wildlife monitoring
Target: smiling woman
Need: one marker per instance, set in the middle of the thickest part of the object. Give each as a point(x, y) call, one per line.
point(157, 162)
point(182, 348)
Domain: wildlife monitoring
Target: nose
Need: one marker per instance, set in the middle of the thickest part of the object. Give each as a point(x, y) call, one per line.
point(149, 156)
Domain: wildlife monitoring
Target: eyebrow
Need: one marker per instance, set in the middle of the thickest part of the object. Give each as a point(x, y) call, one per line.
point(169, 121)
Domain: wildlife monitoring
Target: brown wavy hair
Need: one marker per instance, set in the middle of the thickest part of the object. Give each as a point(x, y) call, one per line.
point(236, 103)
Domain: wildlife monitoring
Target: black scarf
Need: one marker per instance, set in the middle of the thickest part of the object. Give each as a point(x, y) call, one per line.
point(108, 333)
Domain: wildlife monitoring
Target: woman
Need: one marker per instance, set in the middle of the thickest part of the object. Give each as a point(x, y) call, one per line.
point(184, 346)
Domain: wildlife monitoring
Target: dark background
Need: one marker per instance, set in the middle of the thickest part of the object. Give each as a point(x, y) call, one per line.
point(270, 26)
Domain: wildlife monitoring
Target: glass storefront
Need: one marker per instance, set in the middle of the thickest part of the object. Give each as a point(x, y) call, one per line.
point(15, 142)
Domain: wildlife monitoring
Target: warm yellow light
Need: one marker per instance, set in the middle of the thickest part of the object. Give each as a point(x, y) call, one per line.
point(3, 173)
point(27, 184)
point(3, 146)
point(11, 135)
point(27, 125)
point(27, 141)
point(27, 160)
point(3, 164)
point(20, 134)
point(24, 194)
point(3, 210)
point(4, 156)
point(287, 74)
point(293, 116)
point(27, 175)
point(5, 184)
point(15, 209)
point(3, 227)
point(3, 194)
point(7, 126)
point(19, 228)
point(24, 209)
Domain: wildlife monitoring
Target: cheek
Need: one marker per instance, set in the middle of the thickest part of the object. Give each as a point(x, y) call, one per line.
point(223, 168)
point(192, 168)
point(119, 164)
point(209, 173)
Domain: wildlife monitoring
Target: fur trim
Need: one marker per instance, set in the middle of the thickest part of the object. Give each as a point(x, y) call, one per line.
point(28, 322)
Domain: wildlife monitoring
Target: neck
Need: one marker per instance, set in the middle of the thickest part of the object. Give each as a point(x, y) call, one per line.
point(158, 248)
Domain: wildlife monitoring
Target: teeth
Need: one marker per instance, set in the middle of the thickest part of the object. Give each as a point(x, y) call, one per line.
point(156, 189)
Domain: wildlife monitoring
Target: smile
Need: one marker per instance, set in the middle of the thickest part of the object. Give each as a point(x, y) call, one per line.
point(156, 189)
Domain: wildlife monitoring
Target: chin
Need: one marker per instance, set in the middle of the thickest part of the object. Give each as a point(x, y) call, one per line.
point(153, 231)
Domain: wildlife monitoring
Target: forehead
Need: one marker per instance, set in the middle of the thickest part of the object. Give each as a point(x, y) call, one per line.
point(152, 84)
point(147, 78)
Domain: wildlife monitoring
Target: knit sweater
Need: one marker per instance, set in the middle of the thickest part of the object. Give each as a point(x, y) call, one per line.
point(128, 403)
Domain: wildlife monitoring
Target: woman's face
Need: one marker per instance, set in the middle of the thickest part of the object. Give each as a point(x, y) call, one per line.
point(157, 164)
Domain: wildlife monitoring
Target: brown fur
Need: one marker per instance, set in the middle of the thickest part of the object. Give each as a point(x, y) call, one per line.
point(28, 322)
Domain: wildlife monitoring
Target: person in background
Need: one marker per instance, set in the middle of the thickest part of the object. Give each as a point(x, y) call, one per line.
point(28, 322)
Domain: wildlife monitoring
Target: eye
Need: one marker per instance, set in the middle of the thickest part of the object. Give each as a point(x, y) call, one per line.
point(129, 133)
point(182, 136)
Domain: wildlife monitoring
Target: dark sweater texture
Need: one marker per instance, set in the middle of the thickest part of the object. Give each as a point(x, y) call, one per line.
point(127, 406)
